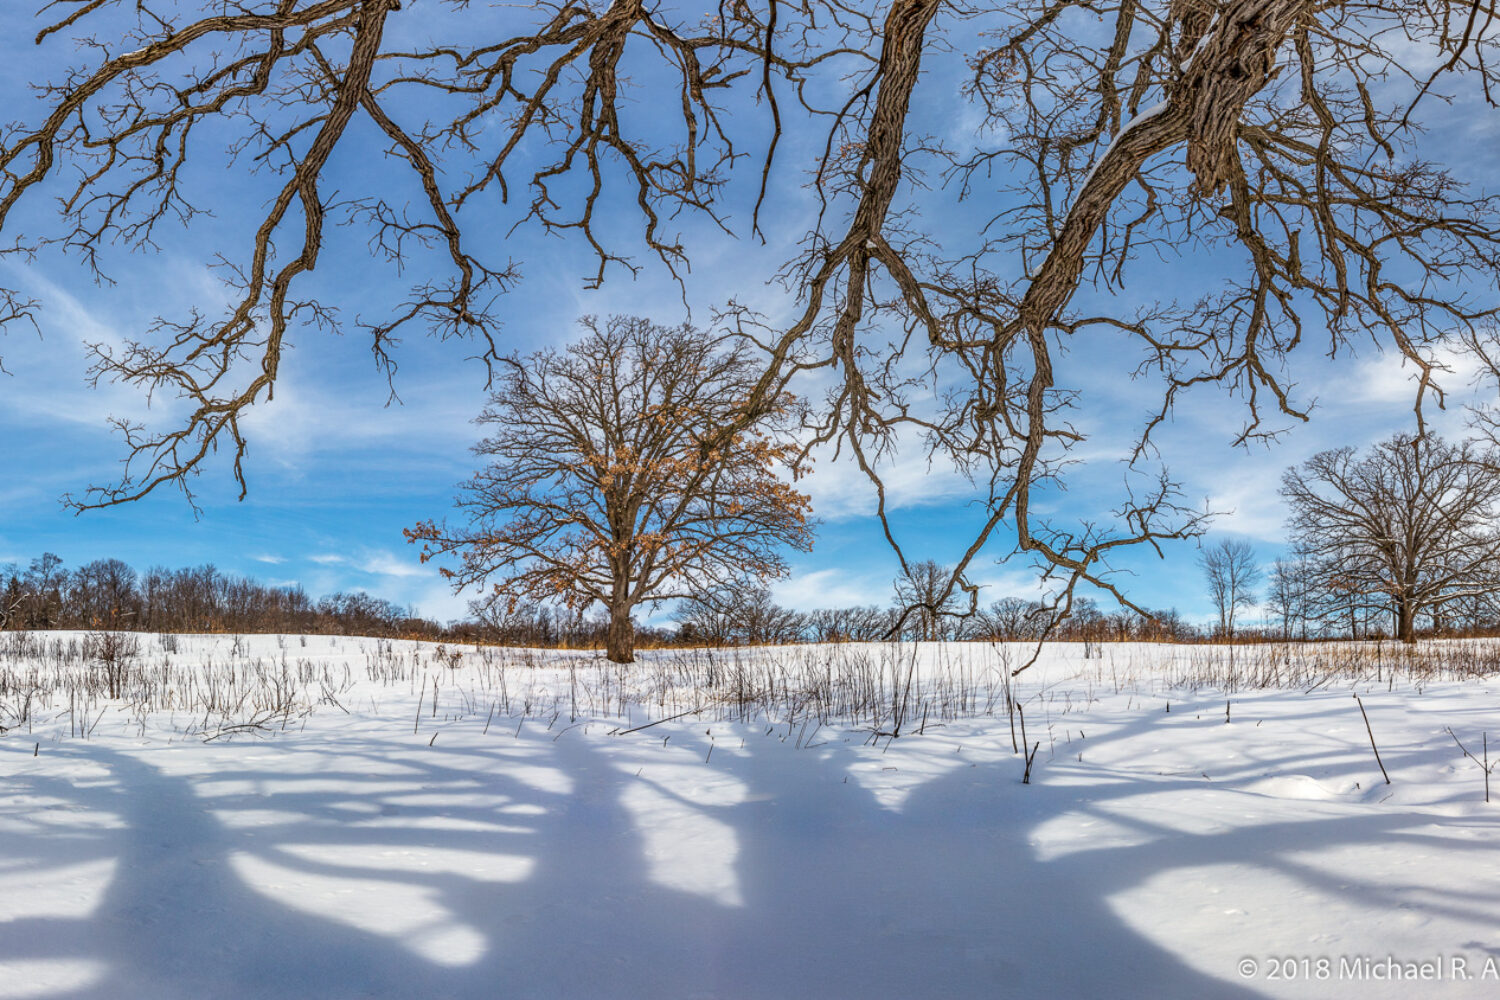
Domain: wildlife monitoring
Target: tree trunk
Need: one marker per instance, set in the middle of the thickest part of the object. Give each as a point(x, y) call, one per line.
point(1406, 619)
point(619, 641)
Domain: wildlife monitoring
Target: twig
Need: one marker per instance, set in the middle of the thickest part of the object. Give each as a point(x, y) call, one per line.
point(1372, 737)
point(636, 729)
point(1022, 712)
point(1484, 765)
point(243, 727)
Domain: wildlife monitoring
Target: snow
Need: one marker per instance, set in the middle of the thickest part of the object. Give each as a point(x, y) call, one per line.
point(511, 839)
point(1134, 123)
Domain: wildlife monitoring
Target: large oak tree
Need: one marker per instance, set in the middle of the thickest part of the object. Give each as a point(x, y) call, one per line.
point(1413, 525)
point(611, 481)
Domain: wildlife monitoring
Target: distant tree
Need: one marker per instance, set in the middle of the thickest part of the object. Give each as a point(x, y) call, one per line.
point(526, 624)
point(739, 613)
point(194, 594)
point(360, 613)
point(43, 585)
point(1124, 624)
point(707, 617)
point(1167, 625)
point(103, 594)
point(1230, 571)
point(1013, 618)
point(925, 593)
point(109, 594)
point(626, 470)
point(1080, 619)
point(1292, 594)
point(866, 623)
point(12, 596)
point(763, 621)
point(1411, 525)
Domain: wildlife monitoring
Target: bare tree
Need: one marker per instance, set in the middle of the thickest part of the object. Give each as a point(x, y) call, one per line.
point(740, 612)
point(12, 596)
point(924, 596)
point(103, 594)
point(1167, 625)
point(1012, 618)
point(1291, 594)
point(1410, 525)
point(865, 623)
point(43, 586)
point(1269, 152)
point(1230, 570)
point(611, 483)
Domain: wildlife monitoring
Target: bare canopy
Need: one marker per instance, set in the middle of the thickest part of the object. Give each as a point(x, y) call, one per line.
point(1230, 571)
point(1410, 526)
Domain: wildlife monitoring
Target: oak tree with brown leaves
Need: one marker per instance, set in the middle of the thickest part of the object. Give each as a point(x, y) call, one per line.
point(611, 483)
point(1270, 155)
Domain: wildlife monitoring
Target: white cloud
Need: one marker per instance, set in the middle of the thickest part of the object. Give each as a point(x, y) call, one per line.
point(1240, 487)
point(843, 588)
point(995, 582)
point(270, 559)
point(1391, 379)
point(311, 417)
point(383, 574)
point(433, 598)
point(841, 490)
point(49, 372)
point(832, 588)
point(385, 564)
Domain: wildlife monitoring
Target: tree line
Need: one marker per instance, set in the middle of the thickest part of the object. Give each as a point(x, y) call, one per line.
point(750, 616)
point(110, 594)
point(1303, 596)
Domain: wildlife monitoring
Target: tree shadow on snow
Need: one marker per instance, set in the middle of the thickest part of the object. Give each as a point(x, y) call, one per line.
point(573, 864)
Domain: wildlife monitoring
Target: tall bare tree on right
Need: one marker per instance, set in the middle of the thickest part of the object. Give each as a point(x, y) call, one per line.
point(1410, 525)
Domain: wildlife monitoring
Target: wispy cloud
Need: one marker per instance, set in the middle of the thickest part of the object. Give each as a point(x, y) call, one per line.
point(269, 559)
point(386, 564)
point(328, 559)
point(49, 371)
point(1392, 380)
point(832, 588)
point(318, 419)
point(841, 490)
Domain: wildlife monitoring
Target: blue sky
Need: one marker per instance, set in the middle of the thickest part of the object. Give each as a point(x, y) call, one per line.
point(335, 473)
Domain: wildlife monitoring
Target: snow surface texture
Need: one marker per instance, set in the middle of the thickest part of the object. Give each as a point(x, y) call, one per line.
point(375, 841)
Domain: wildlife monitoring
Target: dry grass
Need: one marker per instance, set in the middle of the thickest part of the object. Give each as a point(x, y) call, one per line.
point(197, 687)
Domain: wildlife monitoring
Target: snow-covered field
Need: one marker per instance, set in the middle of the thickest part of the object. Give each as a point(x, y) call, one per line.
point(331, 817)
